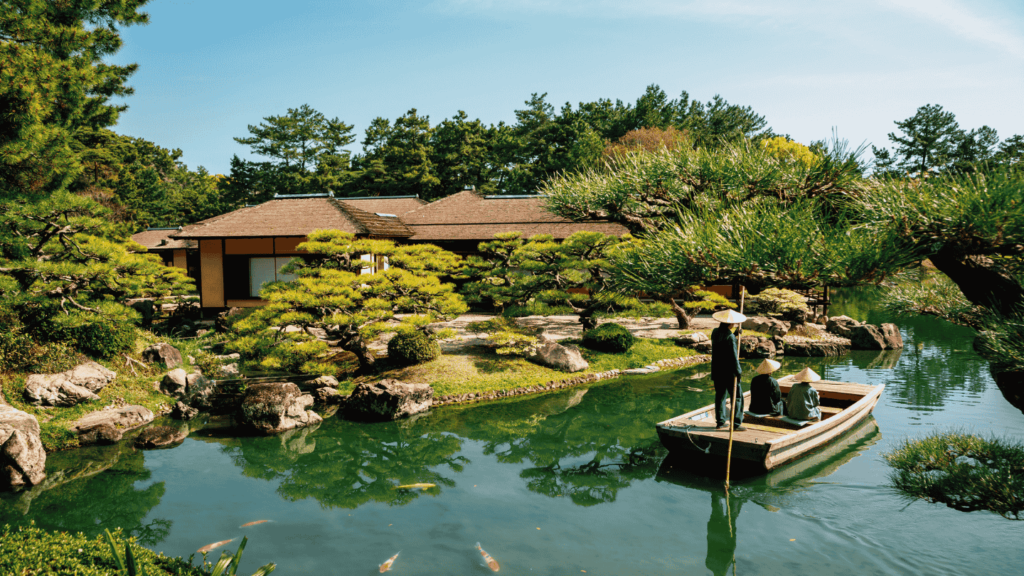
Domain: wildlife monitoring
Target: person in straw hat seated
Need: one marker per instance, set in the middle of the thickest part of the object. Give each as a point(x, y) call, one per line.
point(765, 396)
point(725, 366)
point(802, 402)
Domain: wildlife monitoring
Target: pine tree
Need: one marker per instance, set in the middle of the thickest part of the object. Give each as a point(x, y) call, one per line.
point(333, 292)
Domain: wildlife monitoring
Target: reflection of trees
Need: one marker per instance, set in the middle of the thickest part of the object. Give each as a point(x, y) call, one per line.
point(345, 465)
point(584, 444)
point(939, 358)
point(91, 489)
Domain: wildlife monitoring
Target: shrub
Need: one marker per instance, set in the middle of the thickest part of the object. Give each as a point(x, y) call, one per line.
point(962, 471)
point(98, 335)
point(30, 550)
point(413, 347)
point(18, 351)
point(777, 301)
point(508, 343)
point(608, 337)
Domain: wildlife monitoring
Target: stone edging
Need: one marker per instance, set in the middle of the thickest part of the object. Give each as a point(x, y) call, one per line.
point(680, 362)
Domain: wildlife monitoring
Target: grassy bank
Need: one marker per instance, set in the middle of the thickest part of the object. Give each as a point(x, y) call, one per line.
point(27, 550)
point(133, 385)
point(479, 371)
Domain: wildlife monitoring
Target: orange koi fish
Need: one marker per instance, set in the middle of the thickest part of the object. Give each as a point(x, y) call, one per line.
point(247, 524)
point(209, 547)
point(420, 485)
point(387, 563)
point(491, 562)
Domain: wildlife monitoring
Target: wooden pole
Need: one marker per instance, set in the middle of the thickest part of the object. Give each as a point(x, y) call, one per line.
point(732, 403)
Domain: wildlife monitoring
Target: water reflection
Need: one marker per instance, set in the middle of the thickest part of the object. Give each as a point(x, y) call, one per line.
point(768, 491)
point(345, 465)
point(88, 490)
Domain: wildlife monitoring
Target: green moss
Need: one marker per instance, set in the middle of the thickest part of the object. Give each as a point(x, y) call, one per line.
point(962, 471)
point(30, 550)
point(488, 372)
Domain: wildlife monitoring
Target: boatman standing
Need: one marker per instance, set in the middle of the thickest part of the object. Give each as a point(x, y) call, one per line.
point(725, 366)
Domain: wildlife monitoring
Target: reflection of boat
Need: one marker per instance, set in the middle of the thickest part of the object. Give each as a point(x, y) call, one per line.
point(770, 442)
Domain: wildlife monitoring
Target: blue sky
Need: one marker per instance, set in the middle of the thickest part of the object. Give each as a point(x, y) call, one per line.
point(207, 69)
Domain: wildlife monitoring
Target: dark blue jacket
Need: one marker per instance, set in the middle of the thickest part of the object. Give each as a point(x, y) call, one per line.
point(725, 362)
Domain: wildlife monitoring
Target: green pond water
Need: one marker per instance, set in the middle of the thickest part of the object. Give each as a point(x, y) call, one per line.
point(560, 483)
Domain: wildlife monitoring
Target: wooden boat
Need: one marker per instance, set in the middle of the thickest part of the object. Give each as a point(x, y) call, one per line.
point(770, 441)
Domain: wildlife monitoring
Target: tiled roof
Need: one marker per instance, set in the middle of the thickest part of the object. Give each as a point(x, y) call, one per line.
point(158, 239)
point(385, 205)
point(469, 216)
point(279, 217)
point(373, 224)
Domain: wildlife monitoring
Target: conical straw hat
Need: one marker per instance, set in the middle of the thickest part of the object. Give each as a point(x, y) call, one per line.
point(807, 375)
point(768, 366)
point(729, 317)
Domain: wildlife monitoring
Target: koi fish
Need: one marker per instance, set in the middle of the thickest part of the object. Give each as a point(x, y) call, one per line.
point(420, 485)
point(387, 563)
point(209, 547)
point(247, 524)
point(491, 562)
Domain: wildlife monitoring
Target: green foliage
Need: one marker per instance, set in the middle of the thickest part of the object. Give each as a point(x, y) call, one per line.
point(540, 270)
point(609, 337)
point(306, 152)
point(962, 471)
point(27, 550)
point(412, 347)
point(396, 159)
point(55, 81)
point(535, 308)
point(330, 293)
point(66, 269)
point(510, 343)
point(933, 293)
point(777, 301)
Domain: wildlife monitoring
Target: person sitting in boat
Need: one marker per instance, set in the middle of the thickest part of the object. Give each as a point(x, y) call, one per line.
point(802, 402)
point(765, 396)
point(725, 366)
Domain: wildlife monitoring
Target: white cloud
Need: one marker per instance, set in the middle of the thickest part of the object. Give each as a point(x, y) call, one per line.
point(963, 22)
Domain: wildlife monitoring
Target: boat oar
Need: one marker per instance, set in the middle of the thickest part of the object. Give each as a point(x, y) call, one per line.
point(732, 408)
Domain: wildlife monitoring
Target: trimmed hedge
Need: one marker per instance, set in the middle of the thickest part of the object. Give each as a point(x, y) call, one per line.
point(609, 337)
point(30, 550)
point(408, 348)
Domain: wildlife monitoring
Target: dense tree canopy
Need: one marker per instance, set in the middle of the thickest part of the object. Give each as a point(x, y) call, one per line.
point(54, 81)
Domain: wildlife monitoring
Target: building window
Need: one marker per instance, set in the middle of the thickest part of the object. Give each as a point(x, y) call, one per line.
point(267, 269)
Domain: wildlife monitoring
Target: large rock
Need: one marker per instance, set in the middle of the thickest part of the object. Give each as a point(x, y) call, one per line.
point(162, 353)
point(183, 411)
point(122, 418)
point(160, 437)
point(691, 339)
point(99, 435)
point(892, 336)
point(388, 399)
point(564, 358)
point(866, 337)
point(814, 348)
point(276, 407)
point(175, 383)
point(326, 395)
point(80, 384)
point(770, 326)
point(22, 458)
point(841, 325)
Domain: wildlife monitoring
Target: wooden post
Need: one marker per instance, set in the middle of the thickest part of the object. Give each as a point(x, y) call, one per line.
point(732, 402)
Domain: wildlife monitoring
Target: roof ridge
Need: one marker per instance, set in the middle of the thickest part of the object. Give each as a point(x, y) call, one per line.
point(345, 211)
point(442, 200)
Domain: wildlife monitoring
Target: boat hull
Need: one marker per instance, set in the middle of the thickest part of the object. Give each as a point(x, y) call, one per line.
point(766, 447)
